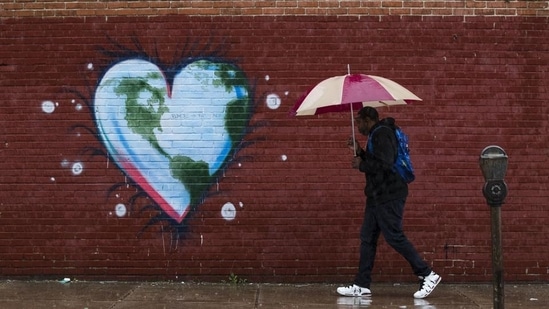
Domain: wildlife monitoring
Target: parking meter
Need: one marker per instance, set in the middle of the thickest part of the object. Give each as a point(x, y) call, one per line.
point(493, 163)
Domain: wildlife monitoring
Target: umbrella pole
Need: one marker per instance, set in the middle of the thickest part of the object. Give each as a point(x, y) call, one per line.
point(353, 129)
point(352, 116)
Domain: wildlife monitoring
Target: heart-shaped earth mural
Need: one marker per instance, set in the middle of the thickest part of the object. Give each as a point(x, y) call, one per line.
point(172, 140)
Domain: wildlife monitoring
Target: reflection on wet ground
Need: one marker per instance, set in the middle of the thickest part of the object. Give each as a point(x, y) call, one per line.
point(165, 295)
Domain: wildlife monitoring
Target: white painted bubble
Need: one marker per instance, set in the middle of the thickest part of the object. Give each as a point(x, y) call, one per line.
point(267, 77)
point(48, 107)
point(77, 168)
point(283, 157)
point(228, 211)
point(78, 107)
point(120, 210)
point(273, 101)
point(90, 66)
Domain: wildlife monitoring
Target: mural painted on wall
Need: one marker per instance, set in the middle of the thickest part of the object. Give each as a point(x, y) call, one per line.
point(172, 140)
point(171, 130)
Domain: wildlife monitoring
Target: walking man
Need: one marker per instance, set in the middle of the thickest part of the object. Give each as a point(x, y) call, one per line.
point(386, 194)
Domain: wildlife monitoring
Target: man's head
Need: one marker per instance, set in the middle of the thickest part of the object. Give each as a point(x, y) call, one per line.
point(366, 119)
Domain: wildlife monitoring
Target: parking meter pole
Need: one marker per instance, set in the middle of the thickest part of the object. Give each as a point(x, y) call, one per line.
point(493, 163)
point(497, 258)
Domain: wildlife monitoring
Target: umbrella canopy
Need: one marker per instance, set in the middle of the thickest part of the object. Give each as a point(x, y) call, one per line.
point(352, 91)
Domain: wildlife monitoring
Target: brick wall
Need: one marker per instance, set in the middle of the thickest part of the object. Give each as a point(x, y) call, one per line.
point(284, 206)
point(53, 8)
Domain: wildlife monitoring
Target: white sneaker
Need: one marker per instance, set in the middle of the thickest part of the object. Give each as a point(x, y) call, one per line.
point(353, 290)
point(427, 285)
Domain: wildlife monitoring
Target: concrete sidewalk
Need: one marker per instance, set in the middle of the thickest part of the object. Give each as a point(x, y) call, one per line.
point(151, 295)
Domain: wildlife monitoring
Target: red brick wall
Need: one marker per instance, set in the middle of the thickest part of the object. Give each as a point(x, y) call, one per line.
point(483, 80)
point(55, 8)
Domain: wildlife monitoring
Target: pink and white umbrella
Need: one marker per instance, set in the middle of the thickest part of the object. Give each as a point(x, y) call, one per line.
point(352, 92)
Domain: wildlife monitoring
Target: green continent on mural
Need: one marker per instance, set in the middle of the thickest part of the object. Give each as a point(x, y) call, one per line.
point(143, 119)
point(195, 175)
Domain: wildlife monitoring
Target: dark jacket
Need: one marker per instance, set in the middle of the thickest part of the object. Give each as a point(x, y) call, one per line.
point(382, 182)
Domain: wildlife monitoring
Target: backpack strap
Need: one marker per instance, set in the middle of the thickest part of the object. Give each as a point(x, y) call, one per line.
point(370, 146)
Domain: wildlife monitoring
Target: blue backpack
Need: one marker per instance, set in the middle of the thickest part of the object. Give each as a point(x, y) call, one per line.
point(403, 163)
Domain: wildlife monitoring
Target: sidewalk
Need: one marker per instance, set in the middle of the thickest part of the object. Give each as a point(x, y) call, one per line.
point(166, 295)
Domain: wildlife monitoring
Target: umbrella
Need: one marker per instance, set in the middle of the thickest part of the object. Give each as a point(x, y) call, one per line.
point(349, 92)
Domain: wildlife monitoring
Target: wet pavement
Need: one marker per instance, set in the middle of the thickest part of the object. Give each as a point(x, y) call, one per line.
point(150, 295)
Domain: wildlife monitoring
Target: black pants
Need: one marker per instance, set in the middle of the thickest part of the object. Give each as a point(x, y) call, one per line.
point(385, 218)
